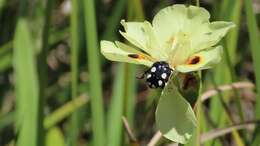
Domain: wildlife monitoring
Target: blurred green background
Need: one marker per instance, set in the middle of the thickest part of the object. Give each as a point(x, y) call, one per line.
point(57, 90)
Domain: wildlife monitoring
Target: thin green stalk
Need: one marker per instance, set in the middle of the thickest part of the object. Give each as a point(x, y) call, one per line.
point(114, 133)
point(255, 51)
point(5, 62)
point(113, 20)
point(198, 3)
point(97, 109)
point(55, 117)
point(229, 10)
point(130, 93)
point(228, 114)
point(6, 120)
point(74, 132)
point(65, 110)
point(138, 9)
point(42, 68)
point(6, 48)
point(255, 48)
point(233, 12)
point(2, 4)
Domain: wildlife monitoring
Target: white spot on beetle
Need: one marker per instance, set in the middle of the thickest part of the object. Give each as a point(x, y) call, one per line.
point(153, 69)
point(160, 82)
point(149, 76)
point(164, 75)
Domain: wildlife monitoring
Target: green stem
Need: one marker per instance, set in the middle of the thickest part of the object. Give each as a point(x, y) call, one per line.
point(197, 3)
point(97, 108)
point(255, 50)
point(42, 66)
point(64, 111)
point(74, 68)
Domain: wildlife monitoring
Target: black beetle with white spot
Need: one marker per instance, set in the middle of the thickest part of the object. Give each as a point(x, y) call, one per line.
point(158, 74)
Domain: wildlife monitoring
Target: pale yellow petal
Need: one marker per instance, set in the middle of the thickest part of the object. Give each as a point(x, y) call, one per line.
point(202, 60)
point(124, 53)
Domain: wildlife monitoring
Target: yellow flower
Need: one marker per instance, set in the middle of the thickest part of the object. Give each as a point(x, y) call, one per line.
point(179, 35)
point(180, 39)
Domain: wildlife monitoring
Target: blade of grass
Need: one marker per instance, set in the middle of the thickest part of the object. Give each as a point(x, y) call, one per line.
point(5, 62)
point(198, 3)
point(230, 10)
point(6, 120)
point(54, 137)
point(234, 15)
point(227, 113)
point(97, 109)
point(114, 133)
point(42, 66)
point(255, 51)
point(123, 94)
point(2, 3)
point(74, 132)
point(138, 10)
point(113, 20)
point(130, 93)
point(65, 110)
point(56, 116)
point(26, 87)
point(6, 50)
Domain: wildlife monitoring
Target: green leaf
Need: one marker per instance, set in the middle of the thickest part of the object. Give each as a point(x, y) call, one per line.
point(116, 109)
point(95, 91)
point(26, 87)
point(174, 115)
point(55, 137)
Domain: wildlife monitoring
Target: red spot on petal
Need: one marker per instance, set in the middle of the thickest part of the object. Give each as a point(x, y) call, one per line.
point(194, 60)
point(133, 56)
point(136, 56)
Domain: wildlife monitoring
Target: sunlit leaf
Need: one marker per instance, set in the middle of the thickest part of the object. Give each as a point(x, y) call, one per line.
point(174, 115)
point(54, 137)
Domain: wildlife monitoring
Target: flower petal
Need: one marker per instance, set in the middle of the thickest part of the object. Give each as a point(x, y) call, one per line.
point(170, 20)
point(180, 50)
point(142, 36)
point(202, 60)
point(123, 53)
point(191, 20)
point(211, 35)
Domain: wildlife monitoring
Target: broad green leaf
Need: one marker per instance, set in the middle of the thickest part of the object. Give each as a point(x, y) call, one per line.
point(124, 53)
point(26, 87)
point(174, 115)
point(54, 137)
